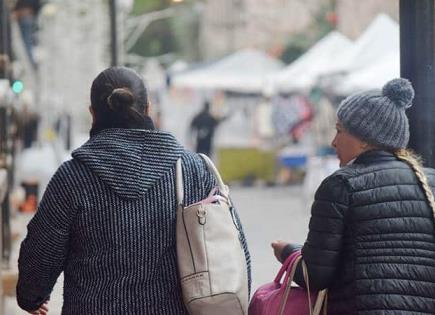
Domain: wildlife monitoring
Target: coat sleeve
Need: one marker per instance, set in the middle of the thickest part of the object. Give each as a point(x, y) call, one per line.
point(322, 249)
point(45, 248)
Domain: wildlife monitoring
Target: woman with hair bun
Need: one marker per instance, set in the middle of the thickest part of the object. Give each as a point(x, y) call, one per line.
point(107, 219)
point(371, 237)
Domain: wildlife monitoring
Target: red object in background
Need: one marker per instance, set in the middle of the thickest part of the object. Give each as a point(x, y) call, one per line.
point(332, 18)
point(307, 114)
point(30, 203)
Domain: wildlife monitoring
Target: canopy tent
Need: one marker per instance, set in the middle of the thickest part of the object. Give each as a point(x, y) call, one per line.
point(303, 73)
point(244, 71)
point(372, 77)
point(178, 66)
point(380, 39)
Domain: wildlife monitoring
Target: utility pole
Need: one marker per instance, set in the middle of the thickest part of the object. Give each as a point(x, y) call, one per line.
point(5, 170)
point(5, 41)
point(417, 61)
point(113, 33)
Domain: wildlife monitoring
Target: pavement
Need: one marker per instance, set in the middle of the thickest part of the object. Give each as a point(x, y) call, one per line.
point(267, 214)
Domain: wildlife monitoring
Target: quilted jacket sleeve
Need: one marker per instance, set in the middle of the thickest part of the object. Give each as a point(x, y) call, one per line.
point(322, 249)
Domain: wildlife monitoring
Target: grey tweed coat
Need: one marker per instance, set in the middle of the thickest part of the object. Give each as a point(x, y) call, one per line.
point(107, 220)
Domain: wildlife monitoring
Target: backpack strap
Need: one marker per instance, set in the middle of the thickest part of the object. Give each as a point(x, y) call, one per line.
point(179, 183)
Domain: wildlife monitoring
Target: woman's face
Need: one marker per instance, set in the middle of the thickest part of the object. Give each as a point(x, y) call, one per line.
point(347, 146)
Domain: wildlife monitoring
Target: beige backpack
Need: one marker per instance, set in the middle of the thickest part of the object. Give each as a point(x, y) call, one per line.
point(211, 259)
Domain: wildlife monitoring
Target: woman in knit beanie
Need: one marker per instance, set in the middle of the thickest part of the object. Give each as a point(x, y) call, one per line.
point(371, 237)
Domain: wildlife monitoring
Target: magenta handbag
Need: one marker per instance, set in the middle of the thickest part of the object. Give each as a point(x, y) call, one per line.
point(278, 298)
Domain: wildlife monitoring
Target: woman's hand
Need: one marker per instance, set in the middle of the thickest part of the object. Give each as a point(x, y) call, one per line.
point(278, 247)
point(43, 310)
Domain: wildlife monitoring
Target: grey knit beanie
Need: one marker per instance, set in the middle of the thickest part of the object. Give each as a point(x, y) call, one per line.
point(378, 117)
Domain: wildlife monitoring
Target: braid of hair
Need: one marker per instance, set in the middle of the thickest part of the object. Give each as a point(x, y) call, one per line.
point(415, 163)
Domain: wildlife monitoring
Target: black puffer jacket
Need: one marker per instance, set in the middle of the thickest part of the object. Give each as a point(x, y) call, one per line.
point(371, 239)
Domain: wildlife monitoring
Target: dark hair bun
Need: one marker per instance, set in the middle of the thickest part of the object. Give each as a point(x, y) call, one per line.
point(120, 99)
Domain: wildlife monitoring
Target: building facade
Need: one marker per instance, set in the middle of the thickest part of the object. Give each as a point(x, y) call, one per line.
point(355, 15)
point(229, 25)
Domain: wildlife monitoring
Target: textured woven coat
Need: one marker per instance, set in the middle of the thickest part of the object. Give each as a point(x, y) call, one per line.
point(107, 220)
point(371, 239)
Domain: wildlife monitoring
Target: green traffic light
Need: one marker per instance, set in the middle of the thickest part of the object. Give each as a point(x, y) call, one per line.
point(17, 87)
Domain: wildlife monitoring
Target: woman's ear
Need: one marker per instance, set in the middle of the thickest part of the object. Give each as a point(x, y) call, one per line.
point(147, 109)
point(91, 110)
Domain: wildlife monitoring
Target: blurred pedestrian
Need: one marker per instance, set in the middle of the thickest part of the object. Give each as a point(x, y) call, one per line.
point(108, 216)
point(203, 126)
point(371, 237)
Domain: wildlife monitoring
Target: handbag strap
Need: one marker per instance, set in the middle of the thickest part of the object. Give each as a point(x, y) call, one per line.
point(292, 263)
point(179, 186)
point(307, 283)
point(288, 282)
point(222, 187)
point(321, 299)
point(321, 303)
point(286, 266)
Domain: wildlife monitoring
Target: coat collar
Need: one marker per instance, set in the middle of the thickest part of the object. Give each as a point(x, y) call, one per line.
point(375, 156)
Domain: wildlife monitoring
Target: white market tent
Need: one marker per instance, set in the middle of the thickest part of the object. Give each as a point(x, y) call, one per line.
point(303, 72)
point(374, 76)
point(373, 60)
point(381, 38)
point(244, 71)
